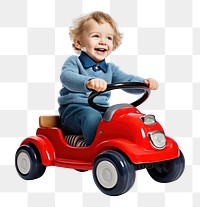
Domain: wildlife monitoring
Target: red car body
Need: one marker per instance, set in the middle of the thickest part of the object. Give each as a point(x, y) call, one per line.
point(130, 138)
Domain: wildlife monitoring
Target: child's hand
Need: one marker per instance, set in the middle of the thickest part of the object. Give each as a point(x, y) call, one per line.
point(97, 84)
point(152, 84)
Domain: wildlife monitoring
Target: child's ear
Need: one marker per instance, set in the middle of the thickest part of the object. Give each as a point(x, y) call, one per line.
point(77, 44)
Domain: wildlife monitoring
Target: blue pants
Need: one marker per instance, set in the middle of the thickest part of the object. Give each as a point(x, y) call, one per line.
point(81, 119)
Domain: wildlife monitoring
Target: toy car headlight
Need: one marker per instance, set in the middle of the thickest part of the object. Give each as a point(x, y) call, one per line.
point(158, 139)
point(149, 119)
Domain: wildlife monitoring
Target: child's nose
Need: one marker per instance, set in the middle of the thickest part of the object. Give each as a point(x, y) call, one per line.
point(102, 41)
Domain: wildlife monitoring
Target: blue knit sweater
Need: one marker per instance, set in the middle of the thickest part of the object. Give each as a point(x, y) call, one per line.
point(76, 71)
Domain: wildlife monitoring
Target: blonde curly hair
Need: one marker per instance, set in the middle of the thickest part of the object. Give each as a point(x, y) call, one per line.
point(79, 26)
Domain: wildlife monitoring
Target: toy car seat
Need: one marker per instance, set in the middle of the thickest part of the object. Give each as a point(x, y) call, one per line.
point(54, 121)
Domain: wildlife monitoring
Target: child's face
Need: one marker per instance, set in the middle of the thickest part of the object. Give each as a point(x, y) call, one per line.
point(97, 40)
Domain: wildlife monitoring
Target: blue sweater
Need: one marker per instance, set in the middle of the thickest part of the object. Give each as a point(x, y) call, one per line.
point(76, 71)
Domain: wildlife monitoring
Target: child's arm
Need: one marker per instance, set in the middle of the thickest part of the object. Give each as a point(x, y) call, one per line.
point(119, 75)
point(71, 78)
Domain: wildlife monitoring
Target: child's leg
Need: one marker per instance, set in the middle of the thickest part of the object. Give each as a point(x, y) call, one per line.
point(80, 119)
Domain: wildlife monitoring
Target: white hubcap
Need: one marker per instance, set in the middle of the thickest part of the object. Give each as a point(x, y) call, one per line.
point(23, 163)
point(106, 174)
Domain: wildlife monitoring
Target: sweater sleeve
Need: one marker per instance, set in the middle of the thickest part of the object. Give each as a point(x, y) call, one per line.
point(121, 76)
point(70, 76)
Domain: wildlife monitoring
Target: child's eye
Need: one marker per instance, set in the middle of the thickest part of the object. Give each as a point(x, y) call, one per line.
point(96, 36)
point(110, 38)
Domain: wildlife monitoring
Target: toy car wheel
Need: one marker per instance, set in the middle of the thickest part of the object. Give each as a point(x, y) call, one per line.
point(113, 173)
point(81, 170)
point(168, 171)
point(28, 162)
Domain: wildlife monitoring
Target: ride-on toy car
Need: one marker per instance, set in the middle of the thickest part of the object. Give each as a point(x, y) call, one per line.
point(126, 140)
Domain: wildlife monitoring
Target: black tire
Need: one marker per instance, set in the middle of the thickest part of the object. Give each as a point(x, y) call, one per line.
point(28, 162)
point(119, 171)
point(168, 171)
point(81, 170)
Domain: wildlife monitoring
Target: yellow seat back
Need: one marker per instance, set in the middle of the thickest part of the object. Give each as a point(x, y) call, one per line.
point(49, 121)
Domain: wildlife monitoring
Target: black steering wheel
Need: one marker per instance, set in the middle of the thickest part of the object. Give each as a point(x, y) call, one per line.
point(120, 85)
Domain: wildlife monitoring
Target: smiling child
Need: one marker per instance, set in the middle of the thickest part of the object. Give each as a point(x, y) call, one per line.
point(94, 37)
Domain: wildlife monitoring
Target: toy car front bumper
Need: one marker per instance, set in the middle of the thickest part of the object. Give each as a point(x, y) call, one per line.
point(139, 155)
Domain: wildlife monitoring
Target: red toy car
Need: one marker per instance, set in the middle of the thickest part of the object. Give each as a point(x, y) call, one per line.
point(126, 140)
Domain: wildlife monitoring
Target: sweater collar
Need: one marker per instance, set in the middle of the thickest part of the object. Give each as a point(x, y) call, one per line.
point(88, 62)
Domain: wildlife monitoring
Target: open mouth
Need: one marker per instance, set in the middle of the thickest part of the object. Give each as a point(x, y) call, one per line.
point(100, 49)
